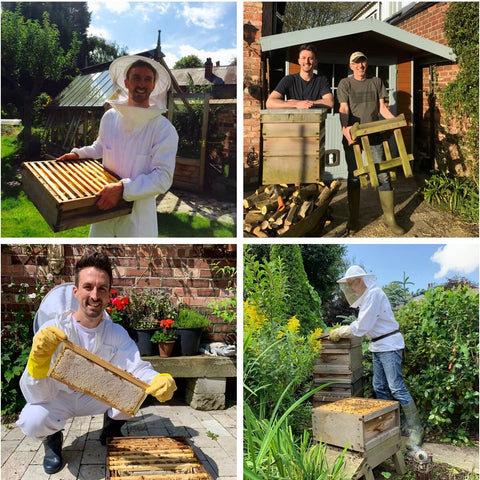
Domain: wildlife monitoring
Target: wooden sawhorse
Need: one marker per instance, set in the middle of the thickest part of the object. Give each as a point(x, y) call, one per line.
point(362, 131)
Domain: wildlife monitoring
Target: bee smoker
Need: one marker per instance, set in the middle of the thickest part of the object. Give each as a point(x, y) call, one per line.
point(423, 464)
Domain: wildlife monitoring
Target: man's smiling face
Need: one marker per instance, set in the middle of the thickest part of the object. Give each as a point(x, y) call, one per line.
point(359, 68)
point(140, 84)
point(307, 61)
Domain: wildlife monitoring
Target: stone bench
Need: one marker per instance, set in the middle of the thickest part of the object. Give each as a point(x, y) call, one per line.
point(206, 377)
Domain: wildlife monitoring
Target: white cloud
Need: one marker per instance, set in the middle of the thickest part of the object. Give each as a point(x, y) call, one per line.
point(459, 259)
point(117, 6)
point(99, 32)
point(205, 15)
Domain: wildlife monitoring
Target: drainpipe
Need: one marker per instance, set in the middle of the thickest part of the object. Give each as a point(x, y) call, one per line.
point(431, 107)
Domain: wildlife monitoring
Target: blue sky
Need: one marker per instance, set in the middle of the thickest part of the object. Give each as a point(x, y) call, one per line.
point(422, 263)
point(206, 29)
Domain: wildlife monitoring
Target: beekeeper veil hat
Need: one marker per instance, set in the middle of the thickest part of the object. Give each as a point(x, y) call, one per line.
point(118, 72)
point(349, 284)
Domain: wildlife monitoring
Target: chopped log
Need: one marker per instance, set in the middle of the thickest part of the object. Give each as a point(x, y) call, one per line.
point(254, 217)
point(279, 220)
point(292, 213)
point(327, 193)
point(257, 231)
point(305, 209)
point(283, 230)
point(305, 193)
point(247, 227)
point(278, 214)
point(265, 225)
point(256, 200)
point(270, 207)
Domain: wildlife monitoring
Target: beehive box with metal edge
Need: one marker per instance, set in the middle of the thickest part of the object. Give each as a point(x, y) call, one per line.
point(293, 145)
point(339, 363)
point(90, 374)
point(360, 424)
point(65, 192)
point(152, 458)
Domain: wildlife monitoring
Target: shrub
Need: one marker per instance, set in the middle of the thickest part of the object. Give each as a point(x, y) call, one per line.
point(441, 336)
point(187, 318)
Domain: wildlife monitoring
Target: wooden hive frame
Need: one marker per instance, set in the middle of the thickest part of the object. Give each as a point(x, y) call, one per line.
point(65, 192)
point(101, 378)
point(152, 458)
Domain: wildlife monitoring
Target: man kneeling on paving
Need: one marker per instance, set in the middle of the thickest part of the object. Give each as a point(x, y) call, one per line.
point(51, 403)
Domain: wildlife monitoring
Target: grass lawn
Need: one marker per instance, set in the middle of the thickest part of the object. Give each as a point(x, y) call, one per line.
point(21, 219)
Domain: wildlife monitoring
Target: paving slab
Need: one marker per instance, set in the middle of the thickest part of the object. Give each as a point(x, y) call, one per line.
point(84, 456)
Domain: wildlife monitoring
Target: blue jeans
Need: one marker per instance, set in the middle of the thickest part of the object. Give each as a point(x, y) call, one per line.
point(387, 377)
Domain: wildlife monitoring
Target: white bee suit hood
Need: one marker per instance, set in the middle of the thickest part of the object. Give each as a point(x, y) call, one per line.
point(133, 117)
point(351, 295)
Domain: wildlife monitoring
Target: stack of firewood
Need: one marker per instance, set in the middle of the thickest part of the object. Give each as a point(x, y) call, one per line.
point(274, 209)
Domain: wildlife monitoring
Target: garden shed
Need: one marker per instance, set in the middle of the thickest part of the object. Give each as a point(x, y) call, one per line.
point(73, 118)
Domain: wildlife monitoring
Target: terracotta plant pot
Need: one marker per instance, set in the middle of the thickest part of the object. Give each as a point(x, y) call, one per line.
point(166, 348)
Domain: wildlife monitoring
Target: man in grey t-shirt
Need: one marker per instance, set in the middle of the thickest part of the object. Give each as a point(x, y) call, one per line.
point(362, 99)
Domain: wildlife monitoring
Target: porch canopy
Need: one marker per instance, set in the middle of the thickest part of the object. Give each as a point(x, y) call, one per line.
point(373, 37)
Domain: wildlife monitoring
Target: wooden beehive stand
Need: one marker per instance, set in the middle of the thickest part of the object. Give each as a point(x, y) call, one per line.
point(152, 458)
point(340, 364)
point(65, 192)
point(370, 169)
point(368, 428)
point(286, 210)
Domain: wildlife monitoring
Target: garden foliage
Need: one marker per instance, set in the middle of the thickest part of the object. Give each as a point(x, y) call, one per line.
point(441, 366)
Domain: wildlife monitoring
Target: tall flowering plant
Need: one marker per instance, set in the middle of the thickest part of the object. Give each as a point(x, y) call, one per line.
point(167, 332)
point(117, 308)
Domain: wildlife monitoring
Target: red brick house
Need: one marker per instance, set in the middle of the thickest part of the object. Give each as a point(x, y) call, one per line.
point(408, 51)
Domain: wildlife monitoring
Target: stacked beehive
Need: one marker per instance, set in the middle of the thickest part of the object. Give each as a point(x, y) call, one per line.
point(339, 363)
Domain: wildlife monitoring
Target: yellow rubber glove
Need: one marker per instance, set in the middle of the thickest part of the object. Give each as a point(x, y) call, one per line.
point(162, 387)
point(44, 345)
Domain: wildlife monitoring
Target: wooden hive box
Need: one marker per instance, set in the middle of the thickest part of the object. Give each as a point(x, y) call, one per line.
point(293, 145)
point(90, 374)
point(360, 424)
point(152, 458)
point(64, 192)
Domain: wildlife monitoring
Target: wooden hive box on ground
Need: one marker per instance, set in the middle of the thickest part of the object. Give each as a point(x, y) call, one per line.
point(152, 458)
point(293, 145)
point(64, 192)
point(357, 423)
point(90, 374)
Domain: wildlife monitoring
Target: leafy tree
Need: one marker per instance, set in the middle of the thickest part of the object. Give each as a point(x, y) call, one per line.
point(31, 56)
point(457, 281)
point(190, 61)
point(101, 51)
point(304, 301)
point(460, 97)
point(302, 15)
point(397, 292)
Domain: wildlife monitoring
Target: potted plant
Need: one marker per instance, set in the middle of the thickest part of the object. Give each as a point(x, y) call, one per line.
point(190, 325)
point(165, 337)
point(118, 308)
point(146, 308)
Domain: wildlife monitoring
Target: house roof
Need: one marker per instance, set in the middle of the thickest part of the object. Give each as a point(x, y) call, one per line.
point(222, 75)
point(369, 35)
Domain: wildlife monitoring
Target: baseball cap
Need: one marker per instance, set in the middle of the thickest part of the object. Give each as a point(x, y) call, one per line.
point(356, 55)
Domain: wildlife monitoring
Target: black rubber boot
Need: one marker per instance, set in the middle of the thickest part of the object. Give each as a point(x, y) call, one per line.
point(353, 224)
point(52, 462)
point(111, 428)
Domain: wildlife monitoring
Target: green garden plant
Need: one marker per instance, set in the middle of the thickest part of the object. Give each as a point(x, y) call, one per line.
point(188, 318)
point(441, 366)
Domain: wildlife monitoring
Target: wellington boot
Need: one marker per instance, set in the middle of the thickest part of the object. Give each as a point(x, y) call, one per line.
point(52, 462)
point(353, 224)
point(415, 427)
point(387, 203)
point(111, 428)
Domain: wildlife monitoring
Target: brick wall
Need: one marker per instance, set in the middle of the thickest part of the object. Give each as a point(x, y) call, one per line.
point(253, 91)
point(183, 271)
point(429, 24)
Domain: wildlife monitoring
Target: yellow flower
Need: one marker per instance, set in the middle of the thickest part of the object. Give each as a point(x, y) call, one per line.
point(293, 325)
point(314, 340)
point(253, 319)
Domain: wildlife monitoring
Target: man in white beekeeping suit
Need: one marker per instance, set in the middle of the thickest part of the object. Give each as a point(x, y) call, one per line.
point(377, 322)
point(137, 143)
point(49, 402)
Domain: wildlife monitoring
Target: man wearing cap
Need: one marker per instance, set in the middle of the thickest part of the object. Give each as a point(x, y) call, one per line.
point(377, 322)
point(305, 89)
point(361, 99)
point(137, 143)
